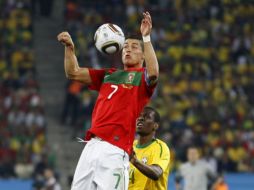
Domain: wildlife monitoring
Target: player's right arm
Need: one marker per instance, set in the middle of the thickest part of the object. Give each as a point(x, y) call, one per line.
point(71, 67)
point(151, 171)
point(152, 65)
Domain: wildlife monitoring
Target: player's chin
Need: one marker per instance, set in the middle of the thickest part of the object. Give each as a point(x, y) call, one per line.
point(141, 133)
point(128, 62)
point(139, 129)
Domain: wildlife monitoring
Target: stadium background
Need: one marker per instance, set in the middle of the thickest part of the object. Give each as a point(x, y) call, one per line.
point(205, 94)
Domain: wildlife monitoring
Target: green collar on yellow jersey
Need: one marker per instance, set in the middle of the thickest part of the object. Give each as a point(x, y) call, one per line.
point(145, 145)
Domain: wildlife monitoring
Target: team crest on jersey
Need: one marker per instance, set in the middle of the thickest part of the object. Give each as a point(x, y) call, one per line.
point(144, 160)
point(130, 78)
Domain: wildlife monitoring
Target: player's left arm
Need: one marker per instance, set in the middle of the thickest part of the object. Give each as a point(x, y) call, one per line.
point(151, 171)
point(152, 65)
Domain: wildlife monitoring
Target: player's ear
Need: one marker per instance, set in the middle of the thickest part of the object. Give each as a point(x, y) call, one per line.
point(155, 127)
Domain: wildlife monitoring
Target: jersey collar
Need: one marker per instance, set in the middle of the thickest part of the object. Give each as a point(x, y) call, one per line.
point(145, 145)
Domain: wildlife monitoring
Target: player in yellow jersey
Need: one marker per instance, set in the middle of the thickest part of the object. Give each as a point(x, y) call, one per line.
point(149, 168)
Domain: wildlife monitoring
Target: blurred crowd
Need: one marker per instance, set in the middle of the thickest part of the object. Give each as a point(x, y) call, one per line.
point(205, 50)
point(24, 152)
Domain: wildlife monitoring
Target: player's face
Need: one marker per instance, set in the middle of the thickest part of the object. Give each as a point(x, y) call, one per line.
point(132, 54)
point(193, 155)
point(145, 124)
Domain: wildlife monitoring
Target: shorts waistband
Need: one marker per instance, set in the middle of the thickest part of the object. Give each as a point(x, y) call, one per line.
point(125, 154)
point(98, 138)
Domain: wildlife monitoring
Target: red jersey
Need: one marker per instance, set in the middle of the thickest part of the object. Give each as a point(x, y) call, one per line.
point(122, 96)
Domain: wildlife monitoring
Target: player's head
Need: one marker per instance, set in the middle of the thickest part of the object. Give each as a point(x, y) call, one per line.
point(133, 52)
point(192, 154)
point(148, 122)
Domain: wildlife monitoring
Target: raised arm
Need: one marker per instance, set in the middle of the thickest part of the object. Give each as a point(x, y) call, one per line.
point(152, 65)
point(71, 67)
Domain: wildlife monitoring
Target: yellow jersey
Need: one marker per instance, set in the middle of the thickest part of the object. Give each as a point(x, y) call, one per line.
point(153, 153)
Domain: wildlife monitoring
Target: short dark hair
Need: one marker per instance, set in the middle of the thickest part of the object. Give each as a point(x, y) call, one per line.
point(157, 117)
point(136, 36)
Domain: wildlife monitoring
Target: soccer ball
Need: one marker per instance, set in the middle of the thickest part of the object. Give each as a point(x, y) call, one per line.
point(109, 38)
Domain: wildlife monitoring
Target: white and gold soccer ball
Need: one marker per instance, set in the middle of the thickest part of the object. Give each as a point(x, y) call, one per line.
point(109, 38)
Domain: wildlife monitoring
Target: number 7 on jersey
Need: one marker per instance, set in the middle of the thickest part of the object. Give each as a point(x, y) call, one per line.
point(115, 88)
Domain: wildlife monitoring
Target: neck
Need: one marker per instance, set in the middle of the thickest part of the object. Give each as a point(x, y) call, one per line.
point(142, 140)
point(134, 66)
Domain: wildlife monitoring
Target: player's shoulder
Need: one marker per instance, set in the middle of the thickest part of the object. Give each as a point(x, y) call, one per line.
point(102, 70)
point(185, 166)
point(161, 143)
point(111, 70)
point(162, 146)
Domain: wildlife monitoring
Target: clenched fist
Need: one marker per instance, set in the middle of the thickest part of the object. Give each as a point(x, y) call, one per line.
point(65, 39)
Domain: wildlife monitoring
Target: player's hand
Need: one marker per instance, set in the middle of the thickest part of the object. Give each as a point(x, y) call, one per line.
point(65, 39)
point(133, 158)
point(146, 24)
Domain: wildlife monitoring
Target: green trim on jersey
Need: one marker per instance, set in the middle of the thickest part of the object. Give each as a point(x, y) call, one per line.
point(124, 77)
point(161, 148)
point(145, 145)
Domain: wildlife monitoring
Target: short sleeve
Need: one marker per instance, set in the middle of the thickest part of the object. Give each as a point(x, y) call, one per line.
point(97, 76)
point(161, 156)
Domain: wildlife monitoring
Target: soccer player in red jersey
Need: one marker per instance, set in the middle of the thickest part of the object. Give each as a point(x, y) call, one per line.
point(104, 162)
